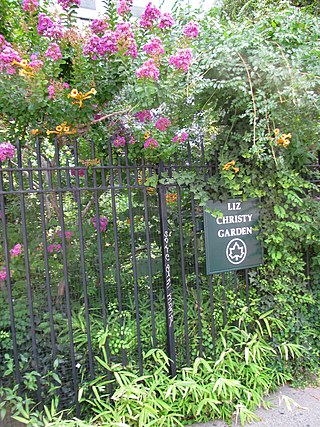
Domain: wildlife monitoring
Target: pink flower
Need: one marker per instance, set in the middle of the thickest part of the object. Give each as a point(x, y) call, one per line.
point(68, 234)
point(77, 172)
point(148, 70)
point(154, 47)
point(119, 141)
point(3, 273)
point(7, 56)
point(54, 247)
point(151, 142)
point(53, 52)
point(51, 91)
point(7, 151)
point(99, 26)
point(124, 7)
point(144, 116)
point(66, 4)
point(96, 46)
point(182, 59)
point(182, 137)
point(48, 28)
point(36, 63)
point(103, 223)
point(30, 5)
point(166, 21)
point(162, 124)
point(125, 39)
point(131, 141)
point(65, 85)
point(148, 17)
point(16, 250)
point(191, 29)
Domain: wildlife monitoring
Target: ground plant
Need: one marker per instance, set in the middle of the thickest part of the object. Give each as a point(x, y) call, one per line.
point(234, 88)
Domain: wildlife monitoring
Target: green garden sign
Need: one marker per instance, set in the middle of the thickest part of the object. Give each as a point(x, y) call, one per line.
point(231, 230)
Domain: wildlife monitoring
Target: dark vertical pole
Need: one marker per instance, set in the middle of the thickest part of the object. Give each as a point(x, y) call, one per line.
point(167, 275)
point(247, 286)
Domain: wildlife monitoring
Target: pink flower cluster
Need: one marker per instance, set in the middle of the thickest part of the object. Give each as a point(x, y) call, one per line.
point(144, 116)
point(166, 21)
point(16, 250)
point(3, 273)
point(162, 124)
point(66, 4)
point(30, 5)
point(56, 87)
point(97, 47)
point(77, 172)
point(119, 141)
point(126, 40)
point(124, 7)
point(68, 234)
point(103, 220)
point(182, 137)
point(191, 29)
point(182, 59)
point(7, 151)
point(53, 52)
point(151, 143)
point(99, 26)
point(48, 28)
point(54, 247)
point(35, 63)
point(148, 70)
point(7, 56)
point(148, 17)
point(154, 47)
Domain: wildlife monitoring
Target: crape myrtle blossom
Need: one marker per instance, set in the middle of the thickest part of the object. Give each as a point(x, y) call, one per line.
point(7, 151)
point(103, 220)
point(54, 247)
point(53, 52)
point(124, 7)
point(99, 26)
point(119, 141)
point(144, 116)
point(48, 28)
point(7, 56)
point(125, 39)
point(151, 143)
point(191, 29)
point(162, 124)
point(68, 234)
point(154, 47)
point(30, 5)
point(166, 21)
point(149, 16)
point(3, 273)
point(97, 47)
point(182, 59)
point(66, 4)
point(16, 250)
point(181, 137)
point(148, 70)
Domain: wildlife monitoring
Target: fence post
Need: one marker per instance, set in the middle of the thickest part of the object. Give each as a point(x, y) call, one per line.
point(167, 275)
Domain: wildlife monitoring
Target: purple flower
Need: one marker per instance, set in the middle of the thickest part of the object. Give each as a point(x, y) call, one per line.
point(16, 250)
point(191, 29)
point(124, 7)
point(182, 137)
point(148, 17)
point(54, 247)
point(7, 151)
point(66, 4)
point(182, 59)
point(125, 39)
point(36, 63)
point(53, 52)
point(144, 116)
point(3, 273)
point(119, 141)
point(96, 46)
point(68, 234)
point(162, 124)
point(151, 142)
point(30, 5)
point(148, 70)
point(166, 21)
point(99, 26)
point(51, 91)
point(103, 220)
point(154, 47)
point(7, 56)
point(131, 141)
point(48, 28)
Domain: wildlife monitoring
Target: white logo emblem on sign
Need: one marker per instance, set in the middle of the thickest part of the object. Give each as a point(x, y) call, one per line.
point(236, 251)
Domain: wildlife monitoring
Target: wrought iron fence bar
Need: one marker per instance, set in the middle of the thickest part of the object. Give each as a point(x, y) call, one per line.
point(235, 282)
point(247, 286)
point(224, 300)
point(213, 331)
point(83, 268)
point(9, 285)
point(66, 284)
point(28, 276)
point(45, 257)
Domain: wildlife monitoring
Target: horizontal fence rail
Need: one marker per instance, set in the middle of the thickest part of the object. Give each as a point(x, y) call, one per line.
point(111, 264)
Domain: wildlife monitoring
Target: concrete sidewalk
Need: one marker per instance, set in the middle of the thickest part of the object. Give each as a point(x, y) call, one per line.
point(304, 410)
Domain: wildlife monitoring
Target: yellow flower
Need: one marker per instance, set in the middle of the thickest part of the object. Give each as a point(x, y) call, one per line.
point(73, 93)
point(34, 131)
point(236, 170)
point(93, 91)
point(228, 165)
point(276, 132)
point(146, 135)
point(59, 128)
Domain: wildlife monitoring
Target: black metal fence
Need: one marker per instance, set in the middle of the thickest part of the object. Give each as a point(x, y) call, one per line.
point(111, 263)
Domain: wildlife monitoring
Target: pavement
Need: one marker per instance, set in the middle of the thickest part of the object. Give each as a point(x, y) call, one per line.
point(289, 408)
